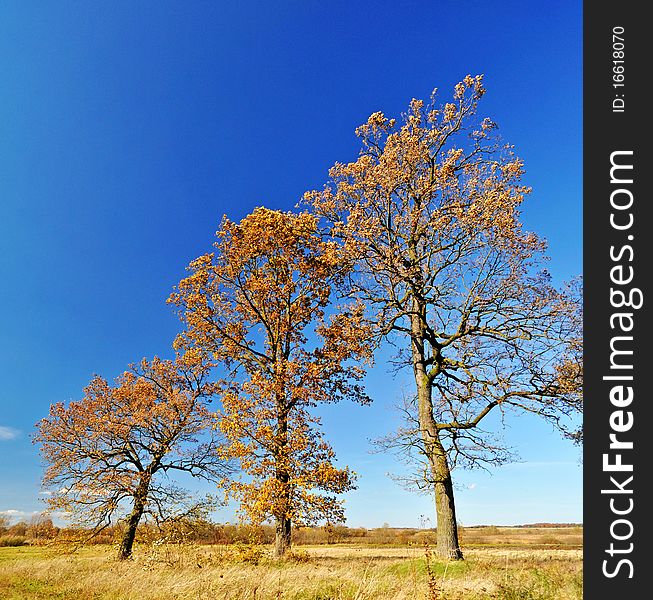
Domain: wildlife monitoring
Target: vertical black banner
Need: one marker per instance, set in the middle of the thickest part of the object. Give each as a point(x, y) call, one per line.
point(617, 268)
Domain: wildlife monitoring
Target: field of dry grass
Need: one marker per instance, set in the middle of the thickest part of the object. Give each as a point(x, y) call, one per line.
point(501, 564)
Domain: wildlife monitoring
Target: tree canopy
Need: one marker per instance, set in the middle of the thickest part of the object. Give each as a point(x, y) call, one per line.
point(258, 305)
point(429, 215)
point(110, 454)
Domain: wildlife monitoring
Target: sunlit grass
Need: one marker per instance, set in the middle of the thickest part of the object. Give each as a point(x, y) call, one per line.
point(312, 573)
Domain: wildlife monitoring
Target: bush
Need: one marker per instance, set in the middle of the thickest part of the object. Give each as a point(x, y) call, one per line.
point(248, 553)
point(551, 540)
point(12, 540)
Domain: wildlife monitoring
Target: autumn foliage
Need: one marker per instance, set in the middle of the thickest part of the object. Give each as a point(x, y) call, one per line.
point(418, 242)
point(429, 214)
point(108, 455)
point(258, 306)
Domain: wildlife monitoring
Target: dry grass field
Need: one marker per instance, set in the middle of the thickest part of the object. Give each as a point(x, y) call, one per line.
point(501, 563)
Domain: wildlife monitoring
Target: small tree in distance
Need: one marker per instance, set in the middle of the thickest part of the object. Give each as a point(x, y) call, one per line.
point(109, 454)
point(258, 307)
point(429, 214)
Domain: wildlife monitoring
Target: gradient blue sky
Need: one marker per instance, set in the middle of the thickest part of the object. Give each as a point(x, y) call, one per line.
point(128, 129)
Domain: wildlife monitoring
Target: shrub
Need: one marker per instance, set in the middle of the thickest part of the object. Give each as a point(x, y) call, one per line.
point(12, 540)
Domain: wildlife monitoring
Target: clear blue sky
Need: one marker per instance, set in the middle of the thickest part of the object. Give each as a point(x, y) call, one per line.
point(127, 129)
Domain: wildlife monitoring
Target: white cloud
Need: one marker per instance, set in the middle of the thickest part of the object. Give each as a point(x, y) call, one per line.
point(8, 433)
point(471, 486)
point(19, 515)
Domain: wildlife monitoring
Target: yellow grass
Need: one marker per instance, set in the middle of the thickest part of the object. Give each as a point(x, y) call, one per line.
point(315, 573)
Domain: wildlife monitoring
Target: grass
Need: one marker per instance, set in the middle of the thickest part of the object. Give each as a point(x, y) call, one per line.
point(339, 572)
point(520, 537)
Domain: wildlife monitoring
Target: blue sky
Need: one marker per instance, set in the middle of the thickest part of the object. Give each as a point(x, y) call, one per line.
point(128, 129)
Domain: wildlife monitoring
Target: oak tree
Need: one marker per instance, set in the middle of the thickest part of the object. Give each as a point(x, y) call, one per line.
point(429, 212)
point(110, 454)
point(260, 306)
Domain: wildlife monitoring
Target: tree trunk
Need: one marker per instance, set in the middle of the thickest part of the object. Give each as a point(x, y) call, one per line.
point(448, 546)
point(445, 510)
point(282, 537)
point(140, 498)
point(125, 550)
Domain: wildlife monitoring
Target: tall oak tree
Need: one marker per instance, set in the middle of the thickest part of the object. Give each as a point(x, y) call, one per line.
point(429, 213)
point(109, 454)
point(260, 306)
